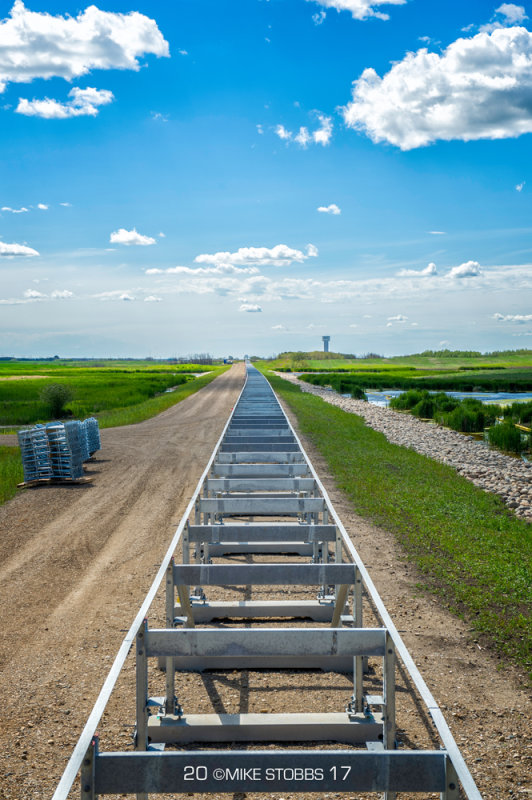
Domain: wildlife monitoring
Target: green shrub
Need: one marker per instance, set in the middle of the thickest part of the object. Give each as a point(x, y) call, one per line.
point(465, 420)
point(425, 408)
point(358, 394)
point(56, 396)
point(506, 437)
point(408, 400)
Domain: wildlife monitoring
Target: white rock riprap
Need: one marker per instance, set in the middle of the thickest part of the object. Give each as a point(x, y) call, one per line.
point(510, 478)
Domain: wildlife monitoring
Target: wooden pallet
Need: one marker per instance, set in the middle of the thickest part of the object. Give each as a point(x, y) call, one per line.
point(54, 482)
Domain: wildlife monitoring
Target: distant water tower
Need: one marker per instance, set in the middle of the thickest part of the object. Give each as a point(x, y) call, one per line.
point(326, 340)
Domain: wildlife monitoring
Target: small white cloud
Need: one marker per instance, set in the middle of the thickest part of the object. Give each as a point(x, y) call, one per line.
point(161, 235)
point(506, 15)
point(62, 294)
point(219, 269)
point(437, 233)
point(278, 328)
point(21, 210)
point(33, 294)
point(156, 115)
point(17, 250)
point(126, 297)
point(468, 270)
point(312, 251)
point(519, 318)
point(319, 17)
point(428, 272)
point(353, 325)
point(122, 236)
point(520, 186)
point(183, 52)
point(152, 299)
point(304, 136)
point(282, 132)
point(323, 134)
point(42, 206)
point(66, 205)
point(368, 316)
point(260, 129)
point(330, 209)
point(397, 318)
point(444, 343)
point(84, 103)
point(361, 9)
point(250, 308)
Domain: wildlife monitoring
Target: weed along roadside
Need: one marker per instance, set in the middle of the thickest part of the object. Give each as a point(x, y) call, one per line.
point(470, 550)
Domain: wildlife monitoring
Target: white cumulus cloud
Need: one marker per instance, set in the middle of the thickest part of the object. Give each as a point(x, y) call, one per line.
point(279, 256)
point(250, 307)
point(152, 298)
point(278, 328)
point(41, 45)
point(505, 15)
point(321, 135)
point(33, 294)
point(42, 206)
point(122, 236)
point(21, 210)
point(62, 294)
point(478, 88)
point(16, 250)
point(520, 186)
point(397, 318)
point(83, 103)
point(421, 273)
point(520, 318)
point(330, 209)
point(361, 9)
point(468, 270)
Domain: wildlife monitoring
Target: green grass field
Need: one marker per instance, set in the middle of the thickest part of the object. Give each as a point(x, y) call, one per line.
point(96, 390)
point(441, 360)
point(471, 550)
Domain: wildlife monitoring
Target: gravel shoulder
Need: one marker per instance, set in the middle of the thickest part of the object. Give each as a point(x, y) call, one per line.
point(76, 563)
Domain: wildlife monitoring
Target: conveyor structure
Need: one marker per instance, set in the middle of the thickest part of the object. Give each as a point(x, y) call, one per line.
point(260, 518)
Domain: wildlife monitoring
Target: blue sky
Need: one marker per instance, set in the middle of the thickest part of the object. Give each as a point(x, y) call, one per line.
point(242, 176)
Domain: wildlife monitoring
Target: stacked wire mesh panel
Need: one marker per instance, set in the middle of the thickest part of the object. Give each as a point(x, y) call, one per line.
point(35, 452)
point(58, 450)
point(65, 450)
point(259, 500)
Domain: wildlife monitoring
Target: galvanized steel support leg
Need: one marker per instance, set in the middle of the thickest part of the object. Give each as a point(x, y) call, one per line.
point(186, 545)
point(359, 660)
point(141, 741)
point(452, 788)
point(169, 703)
point(88, 771)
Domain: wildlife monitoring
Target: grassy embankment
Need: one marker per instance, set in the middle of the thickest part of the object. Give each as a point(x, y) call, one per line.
point(431, 360)
point(115, 399)
point(468, 547)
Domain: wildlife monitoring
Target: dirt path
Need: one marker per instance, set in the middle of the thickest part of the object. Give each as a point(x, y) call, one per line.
point(76, 563)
